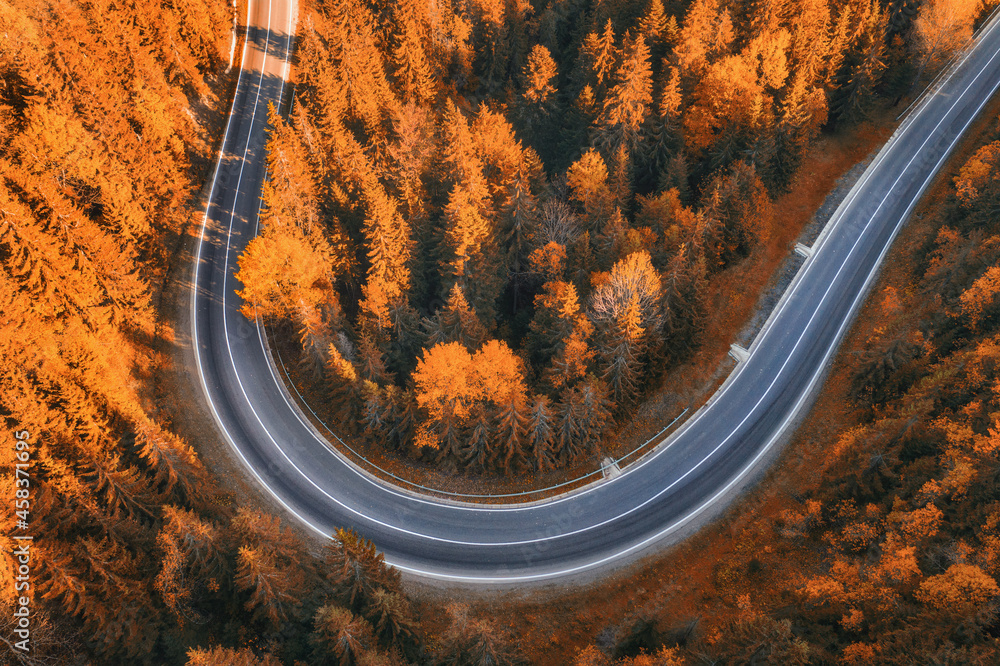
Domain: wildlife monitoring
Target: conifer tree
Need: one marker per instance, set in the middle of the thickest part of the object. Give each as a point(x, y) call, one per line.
point(683, 301)
point(271, 593)
point(588, 181)
point(412, 66)
point(509, 432)
point(540, 434)
point(340, 638)
point(392, 619)
point(456, 322)
point(630, 100)
point(479, 447)
point(357, 570)
point(557, 313)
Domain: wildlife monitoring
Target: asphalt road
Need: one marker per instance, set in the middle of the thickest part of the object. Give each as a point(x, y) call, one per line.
point(695, 472)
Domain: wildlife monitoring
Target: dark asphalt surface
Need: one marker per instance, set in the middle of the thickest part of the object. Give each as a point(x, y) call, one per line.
point(691, 475)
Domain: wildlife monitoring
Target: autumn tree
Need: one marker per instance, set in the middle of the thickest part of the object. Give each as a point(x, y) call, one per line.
point(941, 28)
point(625, 310)
point(863, 61)
point(539, 87)
point(588, 182)
point(630, 100)
point(469, 640)
point(341, 638)
point(456, 322)
point(706, 33)
point(357, 570)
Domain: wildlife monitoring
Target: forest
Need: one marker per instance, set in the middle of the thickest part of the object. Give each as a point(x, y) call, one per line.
point(487, 227)
point(891, 553)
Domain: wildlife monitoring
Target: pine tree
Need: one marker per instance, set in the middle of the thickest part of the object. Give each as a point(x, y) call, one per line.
point(653, 25)
point(683, 302)
point(376, 412)
point(570, 428)
point(574, 358)
point(622, 356)
point(596, 414)
point(357, 570)
point(863, 65)
point(469, 223)
point(663, 135)
point(193, 558)
point(390, 615)
point(519, 219)
point(603, 55)
point(412, 67)
point(540, 434)
point(272, 594)
point(588, 181)
point(342, 384)
point(340, 638)
point(539, 91)
point(403, 420)
point(509, 432)
point(706, 33)
point(370, 362)
point(479, 448)
point(557, 313)
point(456, 322)
point(630, 101)
point(469, 640)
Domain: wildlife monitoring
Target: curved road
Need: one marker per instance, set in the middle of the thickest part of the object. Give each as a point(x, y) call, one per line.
point(692, 474)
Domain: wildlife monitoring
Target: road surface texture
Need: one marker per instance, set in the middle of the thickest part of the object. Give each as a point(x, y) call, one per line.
point(691, 475)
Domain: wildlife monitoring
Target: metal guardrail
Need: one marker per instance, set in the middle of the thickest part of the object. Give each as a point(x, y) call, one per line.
point(524, 493)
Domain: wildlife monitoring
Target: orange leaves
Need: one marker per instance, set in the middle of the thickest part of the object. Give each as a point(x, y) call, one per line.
point(707, 31)
point(539, 74)
point(413, 66)
point(498, 375)
point(56, 136)
point(549, 261)
point(220, 656)
point(859, 654)
point(979, 170)
point(561, 298)
point(962, 589)
point(588, 181)
point(980, 295)
point(920, 524)
point(770, 49)
point(944, 26)
point(601, 54)
point(443, 381)
point(267, 584)
point(728, 94)
point(339, 366)
point(450, 380)
point(279, 269)
point(823, 589)
point(630, 100)
point(899, 563)
point(291, 266)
